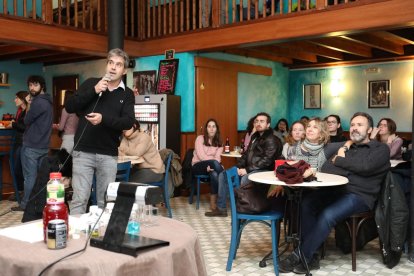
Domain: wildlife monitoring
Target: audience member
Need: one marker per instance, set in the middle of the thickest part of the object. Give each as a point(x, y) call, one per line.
point(312, 148)
point(207, 157)
point(385, 133)
point(36, 137)
point(19, 127)
point(281, 129)
point(335, 128)
point(68, 124)
point(139, 144)
point(365, 163)
point(250, 130)
point(264, 148)
point(296, 134)
point(105, 107)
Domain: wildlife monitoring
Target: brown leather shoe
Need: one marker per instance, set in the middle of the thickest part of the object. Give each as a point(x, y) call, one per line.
point(216, 213)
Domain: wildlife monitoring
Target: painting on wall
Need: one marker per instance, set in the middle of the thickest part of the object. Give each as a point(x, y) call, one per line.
point(144, 82)
point(312, 96)
point(379, 94)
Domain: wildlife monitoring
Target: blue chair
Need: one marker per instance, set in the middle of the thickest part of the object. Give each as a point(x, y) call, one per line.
point(122, 174)
point(7, 138)
point(164, 183)
point(200, 178)
point(240, 220)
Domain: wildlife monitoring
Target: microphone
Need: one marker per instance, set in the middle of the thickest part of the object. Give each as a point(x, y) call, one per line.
point(107, 77)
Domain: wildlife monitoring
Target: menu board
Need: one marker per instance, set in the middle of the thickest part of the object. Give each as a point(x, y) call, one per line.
point(167, 76)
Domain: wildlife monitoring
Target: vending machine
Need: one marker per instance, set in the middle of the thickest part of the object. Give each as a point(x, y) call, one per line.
point(160, 116)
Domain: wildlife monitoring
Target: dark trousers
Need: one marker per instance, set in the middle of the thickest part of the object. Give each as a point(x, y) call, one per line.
point(201, 168)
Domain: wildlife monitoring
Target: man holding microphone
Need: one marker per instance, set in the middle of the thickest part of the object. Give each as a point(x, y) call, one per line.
point(105, 107)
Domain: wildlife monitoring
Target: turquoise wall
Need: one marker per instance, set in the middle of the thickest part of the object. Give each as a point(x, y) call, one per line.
point(18, 74)
point(351, 86)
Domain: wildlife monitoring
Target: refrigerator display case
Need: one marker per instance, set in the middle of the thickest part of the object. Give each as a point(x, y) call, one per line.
point(159, 116)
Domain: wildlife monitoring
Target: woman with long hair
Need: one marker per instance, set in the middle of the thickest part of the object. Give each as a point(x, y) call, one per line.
point(207, 157)
point(250, 130)
point(296, 134)
point(281, 129)
point(385, 133)
point(137, 143)
point(19, 127)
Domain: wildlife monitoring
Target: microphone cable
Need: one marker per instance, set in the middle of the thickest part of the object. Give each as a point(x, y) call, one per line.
point(67, 158)
point(80, 250)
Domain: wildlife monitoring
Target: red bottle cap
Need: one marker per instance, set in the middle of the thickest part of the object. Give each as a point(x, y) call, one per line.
point(53, 175)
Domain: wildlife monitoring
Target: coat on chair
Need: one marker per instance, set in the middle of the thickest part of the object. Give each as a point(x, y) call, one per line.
point(37, 199)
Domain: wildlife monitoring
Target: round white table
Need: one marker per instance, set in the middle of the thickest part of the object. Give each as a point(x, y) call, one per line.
point(323, 180)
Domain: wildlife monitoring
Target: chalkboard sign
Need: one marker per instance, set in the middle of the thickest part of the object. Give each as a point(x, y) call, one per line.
point(167, 76)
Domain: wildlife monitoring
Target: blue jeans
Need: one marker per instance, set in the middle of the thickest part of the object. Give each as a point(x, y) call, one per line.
point(18, 169)
point(223, 187)
point(201, 168)
point(31, 159)
point(321, 211)
point(84, 166)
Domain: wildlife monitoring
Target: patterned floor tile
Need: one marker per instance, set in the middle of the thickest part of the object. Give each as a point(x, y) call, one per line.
point(214, 234)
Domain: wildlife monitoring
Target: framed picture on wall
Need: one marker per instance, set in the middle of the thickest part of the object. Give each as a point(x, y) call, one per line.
point(144, 82)
point(379, 94)
point(312, 96)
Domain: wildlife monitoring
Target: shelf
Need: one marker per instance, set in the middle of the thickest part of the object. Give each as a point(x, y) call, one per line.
point(4, 84)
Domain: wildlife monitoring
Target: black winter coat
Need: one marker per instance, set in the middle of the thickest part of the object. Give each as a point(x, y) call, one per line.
point(391, 217)
point(261, 153)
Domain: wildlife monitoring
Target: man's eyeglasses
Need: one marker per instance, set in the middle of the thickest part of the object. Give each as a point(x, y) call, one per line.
point(331, 122)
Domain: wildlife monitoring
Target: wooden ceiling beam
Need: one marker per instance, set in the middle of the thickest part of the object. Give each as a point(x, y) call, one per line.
point(313, 48)
point(376, 41)
point(287, 52)
point(330, 22)
point(259, 55)
point(344, 45)
point(8, 49)
point(53, 58)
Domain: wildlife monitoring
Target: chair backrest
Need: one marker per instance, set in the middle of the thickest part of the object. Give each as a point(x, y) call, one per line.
point(123, 171)
point(167, 163)
point(233, 181)
point(7, 138)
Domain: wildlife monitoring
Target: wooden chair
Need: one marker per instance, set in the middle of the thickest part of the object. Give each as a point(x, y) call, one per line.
point(7, 138)
point(240, 220)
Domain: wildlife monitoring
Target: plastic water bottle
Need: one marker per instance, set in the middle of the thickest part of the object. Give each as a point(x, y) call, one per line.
point(103, 223)
point(133, 227)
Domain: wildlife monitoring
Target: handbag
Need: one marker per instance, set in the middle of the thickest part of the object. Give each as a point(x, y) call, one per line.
point(293, 173)
point(252, 198)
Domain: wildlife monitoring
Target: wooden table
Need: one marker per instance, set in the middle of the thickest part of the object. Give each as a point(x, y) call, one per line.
point(183, 257)
point(232, 154)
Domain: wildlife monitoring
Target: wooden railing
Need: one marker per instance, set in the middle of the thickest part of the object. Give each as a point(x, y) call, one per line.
point(147, 19)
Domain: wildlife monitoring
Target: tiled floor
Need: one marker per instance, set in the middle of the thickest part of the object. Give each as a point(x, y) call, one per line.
point(214, 235)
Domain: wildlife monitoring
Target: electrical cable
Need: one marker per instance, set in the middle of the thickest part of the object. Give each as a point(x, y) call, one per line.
point(73, 253)
point(69, 155)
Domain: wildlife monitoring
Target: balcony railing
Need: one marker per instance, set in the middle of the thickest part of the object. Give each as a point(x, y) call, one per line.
point(147, 19)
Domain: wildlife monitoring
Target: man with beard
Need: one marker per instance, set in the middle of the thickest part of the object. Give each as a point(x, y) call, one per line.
point(105, 107)
point(365, 163)
point(260, 155)
point(36, 137)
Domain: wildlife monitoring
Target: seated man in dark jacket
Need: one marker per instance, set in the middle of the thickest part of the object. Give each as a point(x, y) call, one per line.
point(365, 163)
point(260, 155)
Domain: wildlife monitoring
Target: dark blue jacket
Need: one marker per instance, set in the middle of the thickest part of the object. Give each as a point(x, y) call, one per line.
point(38, 122)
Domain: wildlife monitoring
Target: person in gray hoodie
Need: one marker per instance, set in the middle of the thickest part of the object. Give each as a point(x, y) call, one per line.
point(36, 137)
